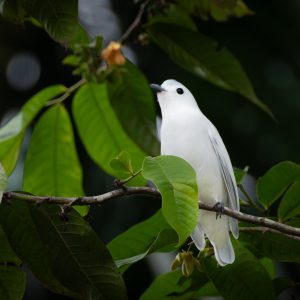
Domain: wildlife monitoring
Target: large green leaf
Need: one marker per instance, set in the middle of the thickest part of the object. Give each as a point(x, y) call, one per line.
point(11, 134)
point(26, 243)
point(67, 257)
point(141, 240)
point(3, 182)
point(7, 255)
point(173, 286)
point(199, 55)
point(132, 100)
point(245, 279)
point(52, 166)
point(275, 182)
point(12, 283)
point(58, 18)
point(101, 131)
point(269, 244)
point(290, 206)
point(176, 181)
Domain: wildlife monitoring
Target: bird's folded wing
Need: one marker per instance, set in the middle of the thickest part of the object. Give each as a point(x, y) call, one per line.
point(226, 168)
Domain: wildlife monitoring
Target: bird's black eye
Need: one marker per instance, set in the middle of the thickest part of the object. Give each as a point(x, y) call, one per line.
point(179, 91)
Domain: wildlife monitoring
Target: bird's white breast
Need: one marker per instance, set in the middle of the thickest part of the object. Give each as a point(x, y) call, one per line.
point(185, 134)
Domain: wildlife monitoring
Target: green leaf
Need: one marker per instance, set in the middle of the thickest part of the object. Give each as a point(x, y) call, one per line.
point(275, 182)
point(100, 130)
point(174, 15)
point(166, 238)
point(122, 163)
point(269, 244)
point(3, 182)
point(12, 283)
point(11, 134)
point(141, 240)
point(176, 181)
point(173, 286)
point(198, 54)
point(217, 10)
point(26, 243)
point(12, 10)
point(58, 18)
point(245, 279)
point(269, 266)
point(240, 174)
point(289, 206)
point(67, 257)
point(52, 167)
point(7, 255)
point(133, 103)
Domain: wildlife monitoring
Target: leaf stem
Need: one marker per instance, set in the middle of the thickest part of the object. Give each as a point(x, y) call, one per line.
point(124, 181)
point(249, 199)
point(136, 22)
point(67, 93)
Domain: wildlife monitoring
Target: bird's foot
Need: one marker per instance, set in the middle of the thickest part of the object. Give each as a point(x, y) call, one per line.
point(220, 207)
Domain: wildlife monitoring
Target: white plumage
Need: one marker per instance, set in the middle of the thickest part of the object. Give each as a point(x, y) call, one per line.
point(187, 133)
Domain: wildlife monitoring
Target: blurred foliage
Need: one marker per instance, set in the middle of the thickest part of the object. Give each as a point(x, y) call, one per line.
point(114, 118)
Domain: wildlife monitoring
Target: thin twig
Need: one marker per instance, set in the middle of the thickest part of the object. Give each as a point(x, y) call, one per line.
point(265, 230)
point(67, 93)
point(249, 199)
point(261, 221)
point(134, 24)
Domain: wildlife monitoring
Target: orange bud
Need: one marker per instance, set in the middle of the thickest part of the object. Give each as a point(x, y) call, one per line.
point(113, 55)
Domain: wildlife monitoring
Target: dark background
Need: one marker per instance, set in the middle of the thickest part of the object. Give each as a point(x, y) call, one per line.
point(268, 47)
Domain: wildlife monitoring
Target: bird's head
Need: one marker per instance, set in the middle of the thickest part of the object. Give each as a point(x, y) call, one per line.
point(173, 93)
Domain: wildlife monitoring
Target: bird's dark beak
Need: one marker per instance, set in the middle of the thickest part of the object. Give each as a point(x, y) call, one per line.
point(157, 88)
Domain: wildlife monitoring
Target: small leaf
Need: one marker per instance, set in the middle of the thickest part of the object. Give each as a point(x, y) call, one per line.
point(52, 166)
point(197, 53)
point(122, 163)
point(153, 234)
point(133, 103)
point(234, 283)
point(240, 174)
point(12, 283)
point(3, 182)
point(272, 245)
point(290, 206)
point(174, 15)
point(176, 181)
point(11, 134)
point(217, 10)
point(100, 130)
point(275, 182)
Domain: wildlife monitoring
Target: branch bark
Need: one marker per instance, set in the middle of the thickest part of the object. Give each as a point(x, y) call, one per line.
point(147, 191)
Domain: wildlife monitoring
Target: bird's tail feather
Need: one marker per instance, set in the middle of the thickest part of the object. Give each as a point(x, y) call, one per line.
point(234, 227)
point(224, 255)
point(198, 237)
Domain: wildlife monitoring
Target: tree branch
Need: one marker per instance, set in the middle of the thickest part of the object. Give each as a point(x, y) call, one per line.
point(134, 24)
point(147, 191)
point(67, 93)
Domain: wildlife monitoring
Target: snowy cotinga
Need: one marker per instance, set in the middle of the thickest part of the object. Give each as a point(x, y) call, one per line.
point(187, 133)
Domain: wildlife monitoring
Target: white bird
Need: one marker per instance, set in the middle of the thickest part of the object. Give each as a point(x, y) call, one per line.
point(187, 133)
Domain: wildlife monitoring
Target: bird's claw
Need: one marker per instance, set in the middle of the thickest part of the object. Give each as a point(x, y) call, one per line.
point(220, 207)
